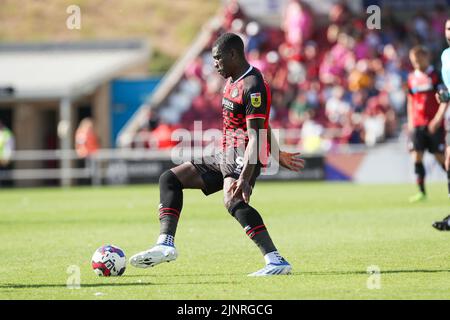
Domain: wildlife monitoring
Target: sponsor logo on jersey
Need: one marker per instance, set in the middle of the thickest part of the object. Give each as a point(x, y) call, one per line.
point(227, 104)
point(255, 99)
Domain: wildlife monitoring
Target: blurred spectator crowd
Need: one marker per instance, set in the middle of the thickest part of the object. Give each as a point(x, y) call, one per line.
point(333, 80)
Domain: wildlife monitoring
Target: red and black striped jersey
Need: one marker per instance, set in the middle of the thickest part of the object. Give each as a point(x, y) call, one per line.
point(422, 87)
point(246, 98)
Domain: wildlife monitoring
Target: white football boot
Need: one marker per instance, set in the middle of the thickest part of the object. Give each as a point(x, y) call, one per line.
point(154, 256)
point(273, 269)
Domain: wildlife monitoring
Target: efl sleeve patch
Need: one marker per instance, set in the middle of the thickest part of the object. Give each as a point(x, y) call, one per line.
point(255, 99)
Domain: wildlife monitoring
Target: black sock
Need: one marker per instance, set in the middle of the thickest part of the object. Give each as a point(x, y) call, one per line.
point(171, 202)
point(419, 169)
point(253, 225)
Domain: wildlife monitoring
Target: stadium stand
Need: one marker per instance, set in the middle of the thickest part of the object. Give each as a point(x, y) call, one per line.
point(334, 83)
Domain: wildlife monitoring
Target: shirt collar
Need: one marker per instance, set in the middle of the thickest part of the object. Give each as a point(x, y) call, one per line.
point(246, 72)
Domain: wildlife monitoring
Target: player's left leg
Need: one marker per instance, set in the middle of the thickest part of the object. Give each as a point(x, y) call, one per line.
point(253, 224)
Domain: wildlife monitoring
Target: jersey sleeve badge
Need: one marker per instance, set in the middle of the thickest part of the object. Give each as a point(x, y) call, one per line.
point(255, 99)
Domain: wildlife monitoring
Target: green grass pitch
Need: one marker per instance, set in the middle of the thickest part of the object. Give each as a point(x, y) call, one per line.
point(330, 233)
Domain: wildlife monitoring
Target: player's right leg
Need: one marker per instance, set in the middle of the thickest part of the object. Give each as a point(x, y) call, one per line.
point(171, 185)
point(419, 170)
point(253, 224)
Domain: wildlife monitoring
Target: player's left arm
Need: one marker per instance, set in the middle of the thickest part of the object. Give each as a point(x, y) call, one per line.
point(438, 118)
point(289, 160)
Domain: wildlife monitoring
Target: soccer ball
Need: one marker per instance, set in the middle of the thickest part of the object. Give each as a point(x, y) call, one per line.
point(109, 260)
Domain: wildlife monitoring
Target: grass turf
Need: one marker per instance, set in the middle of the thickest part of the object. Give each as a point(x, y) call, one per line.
point(330, 233)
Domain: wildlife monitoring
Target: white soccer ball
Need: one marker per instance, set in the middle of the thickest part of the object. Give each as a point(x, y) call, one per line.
point(109, 260)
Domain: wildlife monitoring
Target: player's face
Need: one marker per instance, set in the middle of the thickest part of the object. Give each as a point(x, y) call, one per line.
point(447, 32)
point(222, 62)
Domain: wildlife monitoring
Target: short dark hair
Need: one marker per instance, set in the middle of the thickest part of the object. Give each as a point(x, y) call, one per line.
point(229, 41)
point(419, 50)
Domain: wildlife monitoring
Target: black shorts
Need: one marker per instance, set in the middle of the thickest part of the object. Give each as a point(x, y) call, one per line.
point(215, 168)
point(423, 140)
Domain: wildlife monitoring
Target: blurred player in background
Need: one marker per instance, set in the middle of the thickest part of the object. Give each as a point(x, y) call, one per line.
point(6, 150)
point(444, 98)
point(246, 140)
point(86, 146)
point(425, 129)
point(86, 142)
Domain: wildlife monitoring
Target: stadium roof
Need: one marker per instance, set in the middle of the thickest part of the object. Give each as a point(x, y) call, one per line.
point(64, 70)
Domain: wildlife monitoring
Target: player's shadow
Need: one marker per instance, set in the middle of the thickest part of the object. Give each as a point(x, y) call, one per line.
point(97, 285)
point(297, 273)
point(344, 273)
point(54, 285)
point(301, 273)
point(191, 275)
point(147, 283)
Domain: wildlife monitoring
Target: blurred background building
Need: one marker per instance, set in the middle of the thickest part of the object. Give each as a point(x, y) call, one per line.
point(62, 83)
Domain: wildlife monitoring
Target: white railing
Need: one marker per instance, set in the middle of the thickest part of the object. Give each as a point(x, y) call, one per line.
point(41, 165)
point(30, 164)
point(289, 139)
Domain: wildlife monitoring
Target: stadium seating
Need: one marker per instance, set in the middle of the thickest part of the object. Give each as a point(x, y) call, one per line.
point(336, 82)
